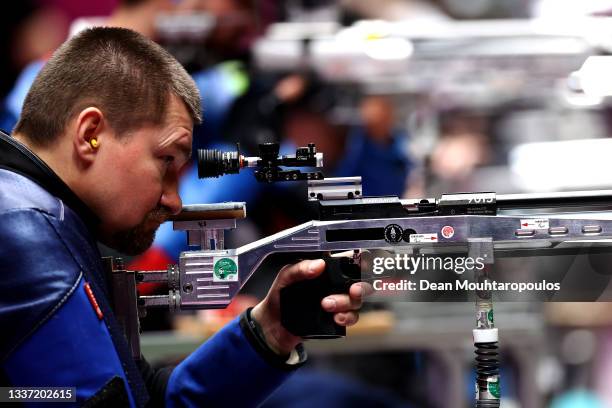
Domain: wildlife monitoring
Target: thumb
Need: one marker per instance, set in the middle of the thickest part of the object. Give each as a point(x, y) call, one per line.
point(307, 269)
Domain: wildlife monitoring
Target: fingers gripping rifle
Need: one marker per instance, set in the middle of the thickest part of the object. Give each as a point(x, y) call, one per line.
point(211, 276)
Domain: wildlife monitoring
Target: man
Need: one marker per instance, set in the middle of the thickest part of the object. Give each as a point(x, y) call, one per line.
point(96, 154)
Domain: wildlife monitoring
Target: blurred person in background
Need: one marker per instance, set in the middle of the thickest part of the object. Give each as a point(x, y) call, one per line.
point(30, 30)
point(376, 149)
point(464, 145)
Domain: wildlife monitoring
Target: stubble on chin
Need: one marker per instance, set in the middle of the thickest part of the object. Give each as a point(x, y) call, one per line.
point(136, 240)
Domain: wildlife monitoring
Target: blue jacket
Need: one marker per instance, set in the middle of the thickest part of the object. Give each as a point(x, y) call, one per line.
point(52, 334)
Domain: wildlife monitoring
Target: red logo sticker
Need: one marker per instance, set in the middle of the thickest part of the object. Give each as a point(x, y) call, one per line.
point(448, 231)
point(93, 301)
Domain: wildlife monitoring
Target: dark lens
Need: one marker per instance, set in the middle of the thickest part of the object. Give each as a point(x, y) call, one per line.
point(215, 163)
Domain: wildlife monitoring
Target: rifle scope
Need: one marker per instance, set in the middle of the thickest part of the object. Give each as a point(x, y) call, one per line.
point(215, 163)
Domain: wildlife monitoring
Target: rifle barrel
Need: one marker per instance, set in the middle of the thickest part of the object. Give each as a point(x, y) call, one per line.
point(582, 199)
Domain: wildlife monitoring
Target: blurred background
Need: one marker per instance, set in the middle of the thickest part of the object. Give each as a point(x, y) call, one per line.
point(419, 98)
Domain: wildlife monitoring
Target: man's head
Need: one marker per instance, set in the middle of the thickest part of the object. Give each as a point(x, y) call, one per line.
point(112, 113)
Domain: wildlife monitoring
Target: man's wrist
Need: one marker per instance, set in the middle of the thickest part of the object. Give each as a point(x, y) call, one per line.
point(254, 333)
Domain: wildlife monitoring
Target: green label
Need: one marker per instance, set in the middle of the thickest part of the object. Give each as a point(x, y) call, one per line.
point(490, 315)
point(494, 388)
point(225, 269)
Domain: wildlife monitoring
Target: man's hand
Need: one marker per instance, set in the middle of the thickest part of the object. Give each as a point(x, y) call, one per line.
point(267, 313)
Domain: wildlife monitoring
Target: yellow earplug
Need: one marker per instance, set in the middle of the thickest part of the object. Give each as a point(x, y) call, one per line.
point(94, 143)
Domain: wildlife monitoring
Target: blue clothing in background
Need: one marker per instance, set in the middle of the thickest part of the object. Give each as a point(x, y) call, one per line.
point(11, 108)
point(384, 169)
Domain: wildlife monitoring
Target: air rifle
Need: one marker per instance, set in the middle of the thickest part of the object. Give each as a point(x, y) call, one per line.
point(211, 276)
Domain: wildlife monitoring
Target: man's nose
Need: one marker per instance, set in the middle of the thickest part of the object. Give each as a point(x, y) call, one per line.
point(171, 199)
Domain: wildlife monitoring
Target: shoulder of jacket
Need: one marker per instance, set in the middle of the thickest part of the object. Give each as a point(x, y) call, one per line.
point(37, 275)
point(19, 192)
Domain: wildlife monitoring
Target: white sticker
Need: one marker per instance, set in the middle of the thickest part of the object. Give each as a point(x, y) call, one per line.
point(225, 269)
point(420, 238)
point(534, 223)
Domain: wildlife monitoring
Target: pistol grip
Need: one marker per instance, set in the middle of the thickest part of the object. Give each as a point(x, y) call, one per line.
point(301, 310)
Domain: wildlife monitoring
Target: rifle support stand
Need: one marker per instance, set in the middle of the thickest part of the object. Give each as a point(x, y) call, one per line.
point(485, 334)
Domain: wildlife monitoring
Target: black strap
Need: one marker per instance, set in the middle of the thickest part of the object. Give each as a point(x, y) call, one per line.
point(256, 337)
point(156, 381)
point(112, 394)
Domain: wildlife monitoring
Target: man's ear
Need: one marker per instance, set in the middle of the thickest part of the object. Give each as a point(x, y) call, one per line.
point(89, 127)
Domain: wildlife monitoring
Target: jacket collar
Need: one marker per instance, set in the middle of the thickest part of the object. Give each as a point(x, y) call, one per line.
point(16, 157)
